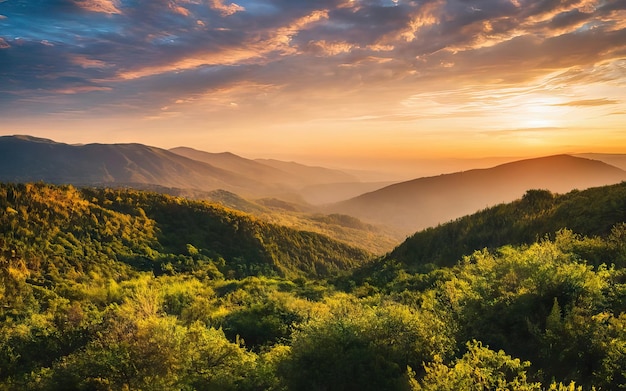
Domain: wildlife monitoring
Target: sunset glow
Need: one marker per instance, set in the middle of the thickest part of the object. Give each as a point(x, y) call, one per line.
point(341, 82)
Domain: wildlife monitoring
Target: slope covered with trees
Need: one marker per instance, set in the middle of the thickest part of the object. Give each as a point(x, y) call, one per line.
point(159, 233)
point(128, 290)
point(538, 213)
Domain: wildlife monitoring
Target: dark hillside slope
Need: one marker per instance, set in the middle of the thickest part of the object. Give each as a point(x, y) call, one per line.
point(592, 212)
point(426, 202)
point(77, 231)
point(29, 159)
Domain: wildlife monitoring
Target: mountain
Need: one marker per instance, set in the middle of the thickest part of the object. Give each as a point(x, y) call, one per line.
point(327, 193)
point(614, 159)
point(231, 162)
point(426, 202)
point(539, 213)
point(316, 185)
point(290, 175)
point(244, 188)
point(310, 175)
point(29, 159)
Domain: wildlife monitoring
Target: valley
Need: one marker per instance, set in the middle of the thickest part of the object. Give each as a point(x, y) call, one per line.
point(117, 276)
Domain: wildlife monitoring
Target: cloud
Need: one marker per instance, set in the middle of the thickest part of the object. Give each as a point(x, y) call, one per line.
point(589, 102)
point(243, 53)
point(81, 89)
point(225, 9)
point(86, 62)
point(103, 6)
point(179, 9)
point(363, 54)
point(324, 48)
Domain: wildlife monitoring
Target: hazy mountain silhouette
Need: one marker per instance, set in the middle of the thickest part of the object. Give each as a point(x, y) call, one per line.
point(30, 159)
point(310, 175)
point(289, 175)
point(614, 159)
point(425, 202)
point(231, 162)
point(326, 193)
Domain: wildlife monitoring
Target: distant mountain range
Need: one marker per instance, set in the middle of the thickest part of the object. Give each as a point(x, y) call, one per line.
point(31, 159)
point(290, 175)
point(426, 202)
point(407, 206)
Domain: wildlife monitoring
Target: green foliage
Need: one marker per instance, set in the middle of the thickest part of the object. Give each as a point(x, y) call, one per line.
point(118, 289)
point(479, 369)
point(258, 324)
point(197, 233)
point(359, 347)
point(593, 212)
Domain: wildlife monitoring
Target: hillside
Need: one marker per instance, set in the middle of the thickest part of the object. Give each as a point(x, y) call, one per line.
point(592, 212)
point(299, 216)
point(28, 159)
point(328, 193)
point(150, 231)
point(122, 289)
point(426, 202)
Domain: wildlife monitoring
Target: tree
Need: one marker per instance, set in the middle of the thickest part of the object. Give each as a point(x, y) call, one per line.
point(358, 347)
point(479, 369)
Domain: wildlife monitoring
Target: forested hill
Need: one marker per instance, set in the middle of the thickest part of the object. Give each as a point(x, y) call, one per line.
point(102, 230)
point(538, 213)
point(127, 290)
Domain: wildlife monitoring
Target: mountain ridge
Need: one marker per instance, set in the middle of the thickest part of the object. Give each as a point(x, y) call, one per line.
point(31, 159)
point(292, 176)
point(428, 201)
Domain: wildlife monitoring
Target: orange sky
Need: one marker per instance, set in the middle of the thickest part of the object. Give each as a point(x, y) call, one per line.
point(340, 82)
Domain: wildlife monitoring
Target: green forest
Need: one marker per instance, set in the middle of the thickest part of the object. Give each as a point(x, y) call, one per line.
point(119, 289)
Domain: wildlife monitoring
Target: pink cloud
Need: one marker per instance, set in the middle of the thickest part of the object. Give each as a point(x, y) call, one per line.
point(86, 62)
point(178, 9)
point(81, 89)
point(103, 6)
point(225, 9)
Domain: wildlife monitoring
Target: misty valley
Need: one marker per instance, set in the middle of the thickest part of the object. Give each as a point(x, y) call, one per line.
point(130, 267)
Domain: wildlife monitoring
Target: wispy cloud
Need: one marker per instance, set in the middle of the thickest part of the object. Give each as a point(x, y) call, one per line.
point(589, 102)
point(226, 9)
point(104, 6)
point(253, 50)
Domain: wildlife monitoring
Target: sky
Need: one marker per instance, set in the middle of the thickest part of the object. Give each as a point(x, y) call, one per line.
point(343, 82)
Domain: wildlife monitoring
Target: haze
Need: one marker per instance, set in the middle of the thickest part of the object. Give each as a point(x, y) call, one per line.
point(346, 83)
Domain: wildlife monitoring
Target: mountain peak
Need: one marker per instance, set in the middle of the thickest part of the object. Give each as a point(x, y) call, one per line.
point(25, 137)
point(426, 202)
